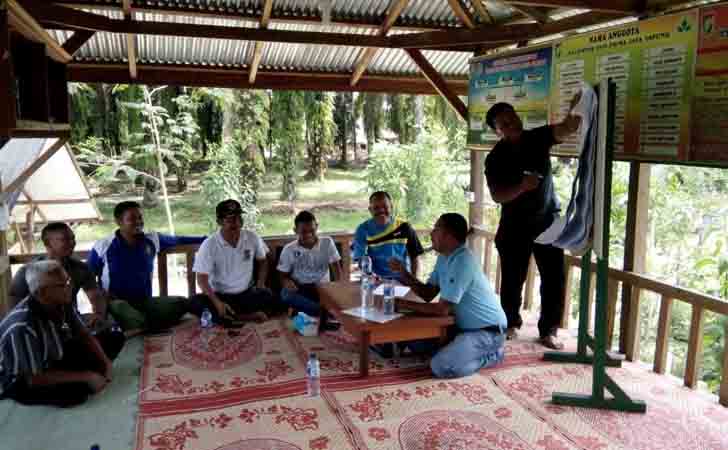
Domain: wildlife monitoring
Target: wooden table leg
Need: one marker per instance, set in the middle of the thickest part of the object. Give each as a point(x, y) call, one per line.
point(364, 341)
point(443, 336)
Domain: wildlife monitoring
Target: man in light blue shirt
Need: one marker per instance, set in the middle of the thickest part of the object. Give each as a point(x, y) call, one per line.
point(465, 292)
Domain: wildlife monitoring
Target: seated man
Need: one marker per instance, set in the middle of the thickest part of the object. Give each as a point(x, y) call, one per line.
point(384, 238)
point(59, 242)
point(124, 262)
point(224, 265)
point(465, 291)
point(306, 262)
point(47, 355)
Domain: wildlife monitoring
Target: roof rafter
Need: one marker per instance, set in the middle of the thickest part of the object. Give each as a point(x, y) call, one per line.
point(77, 40)
point(258, 52)
point(462, 13)
point(614, 6)
point(130, 39)
point(438, 82)
point(533, 12)
point(395, 9)
point(482, 10)
point(187, 75)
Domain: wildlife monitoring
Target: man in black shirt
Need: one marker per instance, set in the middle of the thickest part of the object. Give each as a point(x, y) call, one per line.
point(518, 170)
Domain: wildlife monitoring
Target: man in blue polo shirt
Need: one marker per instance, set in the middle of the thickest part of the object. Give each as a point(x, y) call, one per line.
point(385, 238)
point(465, 292)
point(124, 262)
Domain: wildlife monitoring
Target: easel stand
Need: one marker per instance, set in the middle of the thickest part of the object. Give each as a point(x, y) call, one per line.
point(599, 358)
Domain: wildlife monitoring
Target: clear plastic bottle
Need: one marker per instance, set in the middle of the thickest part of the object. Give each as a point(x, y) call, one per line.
point(365, 264)
point(205, 328)
point(388, 302)
point(313, 376)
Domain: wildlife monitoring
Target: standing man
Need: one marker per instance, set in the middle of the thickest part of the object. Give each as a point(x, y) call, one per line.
point(226, 265)
point(518, 170)
point(59, 242)
point(385, 238)
point(47, 355)
point(124, 262)
point(465, 292)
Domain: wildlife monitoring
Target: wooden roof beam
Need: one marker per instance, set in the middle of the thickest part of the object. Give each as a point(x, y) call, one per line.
point(438, 82)
point(26, 24)
point(130, 39)
point(462, 13)
point(495, 36)
point(395, 9)
point(77, 40)
point(533, 12)
point(258, 52)
point(613, 6)
point(69, 17)
point(185, 75)
point(483, 12)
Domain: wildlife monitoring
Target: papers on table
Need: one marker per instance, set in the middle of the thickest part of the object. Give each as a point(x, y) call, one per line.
point(374, 315)
point(399, 291)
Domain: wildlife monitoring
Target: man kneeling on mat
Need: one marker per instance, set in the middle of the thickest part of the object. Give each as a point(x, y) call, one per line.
point(465, 292)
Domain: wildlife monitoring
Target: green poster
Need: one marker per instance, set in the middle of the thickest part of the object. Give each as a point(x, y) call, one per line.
point(651, 62)
point(521, 79)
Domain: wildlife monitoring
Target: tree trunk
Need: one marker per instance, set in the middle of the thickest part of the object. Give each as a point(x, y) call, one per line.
point(160, 163)
point(228, 121)
point(102, 111)
point(419, 116)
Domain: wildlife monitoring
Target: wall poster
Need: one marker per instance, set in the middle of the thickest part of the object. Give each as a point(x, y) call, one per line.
point(651, 62)
point(521, 79)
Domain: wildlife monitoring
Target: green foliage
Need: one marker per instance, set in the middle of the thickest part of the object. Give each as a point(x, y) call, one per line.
point(417, 176)
point(224, 179)
point(287, 130)
point(440, 115)
point(371, 108)
point(401, 117)
point(320, 128)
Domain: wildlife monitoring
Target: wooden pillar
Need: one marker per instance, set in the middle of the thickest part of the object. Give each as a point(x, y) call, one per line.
point(477, 183)
point(7, 84)
point(635, 249)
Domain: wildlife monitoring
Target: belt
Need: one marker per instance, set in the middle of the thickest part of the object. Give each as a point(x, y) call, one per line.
point(493, 329)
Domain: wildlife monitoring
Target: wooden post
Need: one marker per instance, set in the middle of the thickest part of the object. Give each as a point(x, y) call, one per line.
point(632, 337)
point(477, 182)
point(567, 294)
point(162, 273)
point(592, 297)
point(4, 272)
point(7, 83)
point(723, 395)
point(635, 242)
point(663, 334)
point(530, 281)
point(346, 260)
point(191, 283)
point(613, 295)
point(695, 347)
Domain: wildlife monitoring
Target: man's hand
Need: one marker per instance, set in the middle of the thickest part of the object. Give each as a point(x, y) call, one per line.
point(289, 284)
point(108, 369)
point(223, 309)
point(396, 265)
point(96, 382)
point(530, 182)
point(91, 319)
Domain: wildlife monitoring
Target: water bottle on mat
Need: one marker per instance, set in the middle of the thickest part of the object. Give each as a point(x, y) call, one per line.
point(313, 376)
point(205, 327)
point(365, 265)
point(388, 302)
point(367, 292)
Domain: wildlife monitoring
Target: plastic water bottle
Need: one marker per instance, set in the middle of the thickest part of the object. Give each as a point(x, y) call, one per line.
point(313, 376)
point(367, 293)
point(366, 265)
point(388, 302)
point(205, 327)
point(95, 447)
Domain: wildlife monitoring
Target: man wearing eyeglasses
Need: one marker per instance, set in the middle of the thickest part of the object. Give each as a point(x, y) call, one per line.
point(60, 242)
point(47, 355)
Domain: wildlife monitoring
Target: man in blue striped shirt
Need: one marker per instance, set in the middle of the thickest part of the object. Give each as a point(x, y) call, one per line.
point(124, 262)
point(47, 355)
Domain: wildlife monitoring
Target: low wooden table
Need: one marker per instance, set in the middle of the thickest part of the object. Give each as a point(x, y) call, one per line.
point(341, 295)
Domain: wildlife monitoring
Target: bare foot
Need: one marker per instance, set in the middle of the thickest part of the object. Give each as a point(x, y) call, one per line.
point(511, 333)
point(551, 342)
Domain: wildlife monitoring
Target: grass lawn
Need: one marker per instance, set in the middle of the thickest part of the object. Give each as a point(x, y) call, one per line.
point(343, 195)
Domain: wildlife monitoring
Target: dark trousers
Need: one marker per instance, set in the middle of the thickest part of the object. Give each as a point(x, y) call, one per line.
point(515, 254)
point(246, 302)
point(76, 358)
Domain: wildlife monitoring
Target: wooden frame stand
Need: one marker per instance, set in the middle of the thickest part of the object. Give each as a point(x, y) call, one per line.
point(599, 358)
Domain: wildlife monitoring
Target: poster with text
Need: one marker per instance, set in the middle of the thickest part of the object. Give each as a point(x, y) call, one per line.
point(709, 140)
point(523, 80)
point(651, 63)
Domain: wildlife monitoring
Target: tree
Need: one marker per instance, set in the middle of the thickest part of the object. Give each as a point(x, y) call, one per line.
point(401, 117)
point(345, 123)
point(320, 127)
point(287, 129)
point(371, 107)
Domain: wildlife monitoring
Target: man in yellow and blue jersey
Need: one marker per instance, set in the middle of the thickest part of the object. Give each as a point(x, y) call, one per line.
point(385, 238)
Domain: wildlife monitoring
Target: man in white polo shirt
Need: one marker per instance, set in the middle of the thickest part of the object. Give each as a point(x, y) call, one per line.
point(225, 264)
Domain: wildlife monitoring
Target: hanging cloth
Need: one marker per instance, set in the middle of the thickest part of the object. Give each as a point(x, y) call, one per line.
point(573, 231)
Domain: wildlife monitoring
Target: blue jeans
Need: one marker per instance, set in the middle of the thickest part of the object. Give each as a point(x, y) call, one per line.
point(300, 302)
point(469, 352)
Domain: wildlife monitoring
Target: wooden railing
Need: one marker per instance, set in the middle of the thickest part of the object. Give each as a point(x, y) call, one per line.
point(699, 302)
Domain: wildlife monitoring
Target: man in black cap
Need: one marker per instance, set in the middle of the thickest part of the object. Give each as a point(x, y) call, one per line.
point(227, 263)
